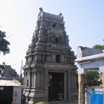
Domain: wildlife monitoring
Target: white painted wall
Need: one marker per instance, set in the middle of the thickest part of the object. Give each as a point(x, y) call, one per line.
point(90, 64)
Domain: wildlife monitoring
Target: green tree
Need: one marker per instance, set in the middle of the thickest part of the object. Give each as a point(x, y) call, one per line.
point(4, 43)
point(100, 47)
point(92, 78)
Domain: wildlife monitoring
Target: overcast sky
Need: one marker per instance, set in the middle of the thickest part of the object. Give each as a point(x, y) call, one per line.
point(84, 22)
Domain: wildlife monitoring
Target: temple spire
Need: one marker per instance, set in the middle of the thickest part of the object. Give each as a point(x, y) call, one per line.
point(49, 70)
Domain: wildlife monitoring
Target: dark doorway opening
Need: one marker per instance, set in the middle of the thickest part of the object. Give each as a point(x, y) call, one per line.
point(6, 95)
point(58, 58)
point(56, 86)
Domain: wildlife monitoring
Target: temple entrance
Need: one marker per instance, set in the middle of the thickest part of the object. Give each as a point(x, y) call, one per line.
point(56, 86)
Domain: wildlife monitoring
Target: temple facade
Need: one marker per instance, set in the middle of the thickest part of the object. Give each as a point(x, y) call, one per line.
point(49, 72)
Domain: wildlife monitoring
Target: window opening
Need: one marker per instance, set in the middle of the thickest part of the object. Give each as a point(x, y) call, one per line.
point(58, 59)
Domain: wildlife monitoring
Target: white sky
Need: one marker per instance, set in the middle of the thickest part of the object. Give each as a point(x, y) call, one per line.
point(84, 22)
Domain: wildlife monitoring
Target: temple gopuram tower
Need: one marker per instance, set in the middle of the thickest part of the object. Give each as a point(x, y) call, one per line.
point(49, 71)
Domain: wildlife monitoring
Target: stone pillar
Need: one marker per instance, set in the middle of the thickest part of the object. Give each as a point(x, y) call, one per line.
point(102, 78)
point(81, 89)
point(102, 75)
point(65, 85)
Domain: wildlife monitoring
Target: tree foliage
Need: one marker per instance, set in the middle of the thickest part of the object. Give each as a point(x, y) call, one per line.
point(100, 47)
point(92, 78)
point(4, 43)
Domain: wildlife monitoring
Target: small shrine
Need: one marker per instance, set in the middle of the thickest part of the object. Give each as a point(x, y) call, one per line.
point(49, 73)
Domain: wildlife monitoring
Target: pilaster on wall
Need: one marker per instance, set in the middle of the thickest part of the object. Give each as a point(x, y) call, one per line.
point(74, 88)
point(81, 89)
point(102, 75)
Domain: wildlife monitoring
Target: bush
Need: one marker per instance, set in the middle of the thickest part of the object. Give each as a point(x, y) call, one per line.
point(92, 78)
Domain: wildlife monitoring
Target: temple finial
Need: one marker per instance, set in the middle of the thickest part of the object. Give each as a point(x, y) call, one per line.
point(60, 14)
point(41, 9)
